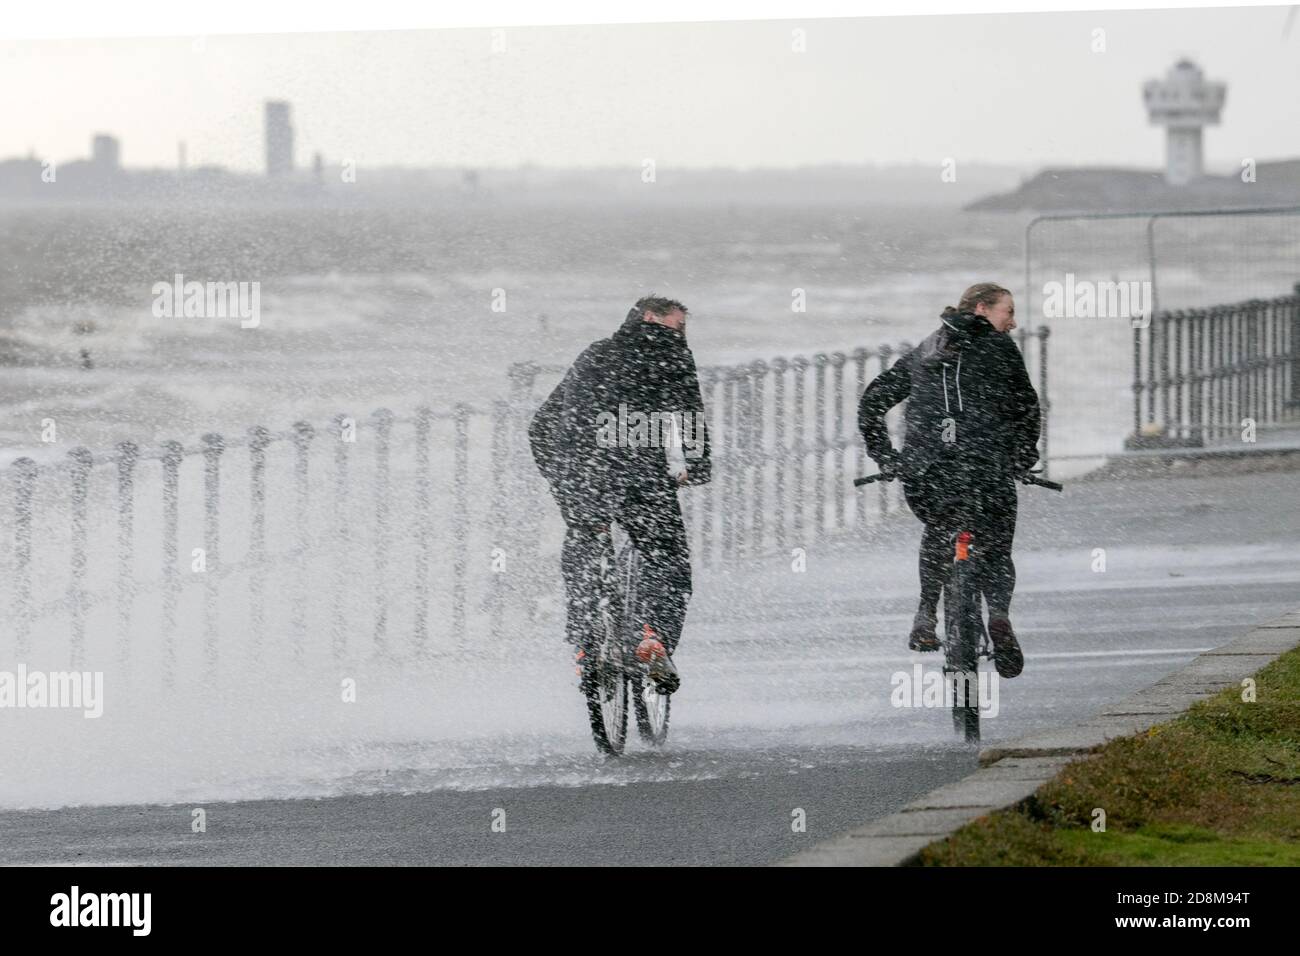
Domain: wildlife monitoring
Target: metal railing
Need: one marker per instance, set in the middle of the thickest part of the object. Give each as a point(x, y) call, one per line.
point(332, 541)
point(1199, 374)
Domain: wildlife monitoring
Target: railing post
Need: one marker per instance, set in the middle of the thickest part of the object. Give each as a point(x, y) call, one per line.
point(460, 521)
point(708, 506)
point(500, 513)
point(423, 529)
point(839, 483)
point(213, 445)
point(744, 469)
point(1286, 308)
point(1285, 354)
point(1272, 376)
point(1167, 329)
point(800, 447)
point(1294, 342)
point(1244, 407)
point(1232, 400)
point(1254, 397)
point(25, 470)
point(173, 453)
point(1169, 376)
point(383, 423)
point(1227, 322)
point(1153, 345)
point(1234, 369)
point(1230, 359)
point(525, 518)
point(127, 455)
point(1242, 366)
point(1215, 374)
point(758, 452)
point(727, 514)
point(820, 444)
point(303, 433)
point(1272, 359)
point(860, 357)
point(82, 461)
point(258, 440)
point(1253, 316)
point(1268, 360)
point(1196, 378)
point(344, 435)
point(1177, 378)
point(780, 453)
point(1137, 375)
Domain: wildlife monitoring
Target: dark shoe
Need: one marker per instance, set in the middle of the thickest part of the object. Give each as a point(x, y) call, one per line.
point(923, 637)
point(1006, 649)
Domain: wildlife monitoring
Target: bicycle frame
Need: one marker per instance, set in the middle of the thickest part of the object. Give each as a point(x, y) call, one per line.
point(966, 638)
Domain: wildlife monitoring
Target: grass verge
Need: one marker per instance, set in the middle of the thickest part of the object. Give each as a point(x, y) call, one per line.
point(1216, 786)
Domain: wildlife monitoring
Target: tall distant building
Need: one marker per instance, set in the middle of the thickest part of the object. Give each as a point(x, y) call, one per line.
point(279, 139)
point(1183, 102)
point(105, 153)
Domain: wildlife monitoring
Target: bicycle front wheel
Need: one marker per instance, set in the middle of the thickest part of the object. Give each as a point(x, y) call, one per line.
point(652, 708)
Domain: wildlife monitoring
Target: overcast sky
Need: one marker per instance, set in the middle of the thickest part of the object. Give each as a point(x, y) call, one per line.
point(1024, 89)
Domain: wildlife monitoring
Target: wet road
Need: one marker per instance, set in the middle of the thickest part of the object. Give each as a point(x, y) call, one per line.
point(788, 712)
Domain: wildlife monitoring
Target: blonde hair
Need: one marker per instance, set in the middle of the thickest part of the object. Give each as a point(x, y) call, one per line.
point(988, 293)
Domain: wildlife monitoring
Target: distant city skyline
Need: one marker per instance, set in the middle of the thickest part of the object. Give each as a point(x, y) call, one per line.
point(1024, 90)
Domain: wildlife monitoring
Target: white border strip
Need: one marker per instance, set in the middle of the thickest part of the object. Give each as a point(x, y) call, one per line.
point(95, 18)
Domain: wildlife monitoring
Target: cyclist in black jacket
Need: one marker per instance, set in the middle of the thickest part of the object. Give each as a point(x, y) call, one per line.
point(971, 425)
point(603, 439)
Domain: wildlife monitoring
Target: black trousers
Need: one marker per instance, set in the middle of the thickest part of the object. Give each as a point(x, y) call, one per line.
point(653, 520)
point(950, 499)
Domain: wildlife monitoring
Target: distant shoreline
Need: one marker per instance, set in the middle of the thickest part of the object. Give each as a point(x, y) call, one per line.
point(1275, 183)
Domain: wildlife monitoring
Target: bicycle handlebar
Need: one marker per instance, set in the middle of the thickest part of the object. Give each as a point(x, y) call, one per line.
point(1031, 479)
point(1025, 478)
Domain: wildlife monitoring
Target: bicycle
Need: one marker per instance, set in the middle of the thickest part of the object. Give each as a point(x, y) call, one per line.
point(611, 672)
point(966, 638)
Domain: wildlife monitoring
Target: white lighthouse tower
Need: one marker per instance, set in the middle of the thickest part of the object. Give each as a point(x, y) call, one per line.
point(1183, 102)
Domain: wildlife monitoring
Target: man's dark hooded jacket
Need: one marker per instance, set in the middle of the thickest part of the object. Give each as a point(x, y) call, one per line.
point(644, 367)
point(970, 373)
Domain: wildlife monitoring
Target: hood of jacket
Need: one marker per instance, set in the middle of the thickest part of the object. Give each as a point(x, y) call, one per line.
point(958, 332)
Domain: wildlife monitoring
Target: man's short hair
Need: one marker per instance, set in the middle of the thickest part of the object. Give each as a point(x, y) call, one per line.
point(658, 305)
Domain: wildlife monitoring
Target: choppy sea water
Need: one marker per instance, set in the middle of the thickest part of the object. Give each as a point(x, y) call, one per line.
point(362, 308)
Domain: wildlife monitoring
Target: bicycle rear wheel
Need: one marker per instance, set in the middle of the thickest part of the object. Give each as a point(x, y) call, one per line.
point(962, 627)
point(605, 676)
